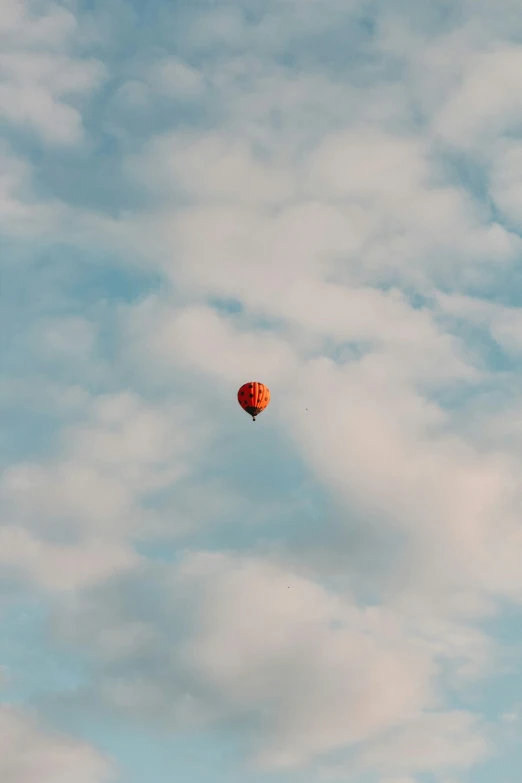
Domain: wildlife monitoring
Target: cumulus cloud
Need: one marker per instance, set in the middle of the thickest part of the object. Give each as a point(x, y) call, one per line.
point(248, 641)
point(486, 103)
point(39, 75)
point(66, 522)
point(389, 470)
point(22, 214)
point(382, 209)
point(335, 226)
point(180, 338)
point(272, 634)
point(436, 741)
point(58, 567)
point(506, 169)
point(171, 76)
point(398, 780)
point(448, 496)
point(363, 206)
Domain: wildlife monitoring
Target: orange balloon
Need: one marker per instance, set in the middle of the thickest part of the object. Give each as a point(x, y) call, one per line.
point(253, 398)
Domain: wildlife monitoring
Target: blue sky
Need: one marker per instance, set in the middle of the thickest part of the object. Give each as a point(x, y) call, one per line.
point(324, 197)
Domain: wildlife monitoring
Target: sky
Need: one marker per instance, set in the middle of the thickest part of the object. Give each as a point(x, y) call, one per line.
point(323, 196)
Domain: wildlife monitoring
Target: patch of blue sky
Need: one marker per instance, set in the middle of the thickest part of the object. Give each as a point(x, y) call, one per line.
point(462, 170)
point(34, 664)
point(259, 321)
point(284, 509)
point(345, 352)
point(143, 751)
point(48, 287)
point(227, 305)
point(487, 355)
point(63, 279)
point(116, 29)
point(199, 758)
point(89, 178)
point(504, 766)
point(502, 692)
point(64, 282)
point(504, 287)
point(302, 526)
point(161, 755)
point(265, 473)
point(285, 522)
point(342, 48)
point(27, 433)
point(267, 465)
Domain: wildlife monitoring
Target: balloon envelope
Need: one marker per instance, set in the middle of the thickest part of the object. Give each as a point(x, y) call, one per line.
point(253, 397)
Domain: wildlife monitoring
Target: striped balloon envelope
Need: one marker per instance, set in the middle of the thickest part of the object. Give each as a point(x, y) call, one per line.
point(253, 398)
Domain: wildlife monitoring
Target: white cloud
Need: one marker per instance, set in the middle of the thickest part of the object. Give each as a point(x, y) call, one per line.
point(305, 671)
point(67, 337)
point(506, 330)
point(277, 26)
point(39, 75)
point(21, 213)
point(123, 449)
point(54, 27)
point(320, 687)
point(64, 496)
point(418, 221)
point(197, 338)
point(57, 567)
point(406, 462)
point(487, 103)
point(366, 163)
point(210, 168)
point(29, 752)
point(165, 78)
point(322, 206)
point(500, 322)
point(433, 742)
point(408, 466)
point(506, 173)
point(363, 207)
point(401, 779)
point(409, 462)
point(262, 644)
point(67, 521)
point(171, 76)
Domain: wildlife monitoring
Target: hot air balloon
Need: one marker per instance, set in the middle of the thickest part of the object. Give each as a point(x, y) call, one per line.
point(253, 398)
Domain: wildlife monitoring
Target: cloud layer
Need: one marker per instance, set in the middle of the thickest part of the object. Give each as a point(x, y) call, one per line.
point(322, 197)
